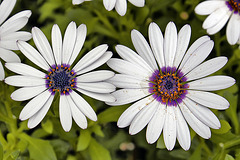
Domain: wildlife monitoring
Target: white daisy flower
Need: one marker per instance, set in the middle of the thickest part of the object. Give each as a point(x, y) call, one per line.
point(60, 77)
point(169, 84)
point(9, 32)
point(220, 11)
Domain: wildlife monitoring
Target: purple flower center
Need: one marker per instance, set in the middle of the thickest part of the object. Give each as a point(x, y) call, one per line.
point(167, 86)
point(61, 79)
point(233, 5)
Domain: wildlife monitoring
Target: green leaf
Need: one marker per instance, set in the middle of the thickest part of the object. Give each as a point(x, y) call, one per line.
point(15, 154)
point(160, 142)
point(98, 152)
point(196, 154)
point(229, 157)
point(1, 151)
point(225, 127)
point(83, 140)
point(97, 130)
point(39, 149)
point(47, 126)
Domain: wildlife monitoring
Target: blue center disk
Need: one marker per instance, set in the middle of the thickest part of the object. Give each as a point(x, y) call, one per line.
point(61, 79)
point(234, 5)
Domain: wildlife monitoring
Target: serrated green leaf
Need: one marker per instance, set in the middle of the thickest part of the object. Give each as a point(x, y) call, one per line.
point(229, 157)
point(98, 152)
point(225, 127)
point(83, 140)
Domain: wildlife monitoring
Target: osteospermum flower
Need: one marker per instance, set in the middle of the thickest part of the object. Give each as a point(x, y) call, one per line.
point(220, 11)
point(9, 33)
point(169, 84)
point(61, 77)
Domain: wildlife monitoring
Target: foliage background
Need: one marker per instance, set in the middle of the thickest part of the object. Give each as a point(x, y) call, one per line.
point(103, 140)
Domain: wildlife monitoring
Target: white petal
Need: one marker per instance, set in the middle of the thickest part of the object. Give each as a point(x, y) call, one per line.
point(95, 76)
point(97, 87)
point(127, 81)
point(131, 56)
point(11, 45)
point(125, 96)
point(9, 56)
point(207, 68)
point(6, 8)
point(208, 99)
point(20, 35)
point(127, 116)
point(81, 36)
point(57, 43)
point(84, 107)
point(75, 2)
point(212, 83)
point(199, 55)
point(2, 73)
point(207, 7)
point(38, 117)
point(170, 44)
point(200, 128)
point(23, 69)
point(143, 117)
point(43, 45)
point(69, 41)
point(32, 54)
point(77, 115)
point(156, 42)
point(65, 113)
point(183, 134)
point(25, 13)
point(121, 7)
point(27, 93)
point(33, 106)
point(90, 57)
point(24, 81)
point(109, 4)
point(106, 97)
point(128, 68)
point(138, 3)
point(143, 48)
point(184, 36)
point(100, 61)
point(156, 124)
point(233, 30)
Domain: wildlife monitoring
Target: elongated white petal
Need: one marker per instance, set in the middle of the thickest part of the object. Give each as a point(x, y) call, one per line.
point(106, 97)
point(33, 106)
point(24, 81)
point(75, 2)
point(25, 13)
point(143, 117)
point(95, 76)
point(43, 45)
point(126, 118)
point(26, 93)
point(57, 43)
point(233, 30)
point(2, 73)
point(127, 81)
point(156, 124)
point(32, 54)
point(80, 39)
point(77, 115)
point(207, 7)
point(84, 107)
point(170, 44)
point(182, 44)
point(143, 48)
point(9, 56)
point(207, 68)
point(121, 7)
point(6, 8)
point(138, 3)
point(109, 4)
point(90, 57)
point(156, 42)
point(69, 41)
point(200, 128)
point(183, 134)
point(24, 69)
point(208, 99)
point(38, 117)
point(103, 59)
point(212, 83)
point(204, 114)
point(97, 87)
point(10, 45)
point(131, 56)
point(65, 113)
point(125, 96)
point(20, 35)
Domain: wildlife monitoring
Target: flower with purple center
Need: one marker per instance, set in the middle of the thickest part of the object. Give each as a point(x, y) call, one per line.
point(167, 83)
point(58, 77)
point(220, 12)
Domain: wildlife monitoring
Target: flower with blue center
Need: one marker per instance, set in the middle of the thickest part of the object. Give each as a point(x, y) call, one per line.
point(57, 76)
point(9, 32)
point(169, 86)
point(221, 12)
